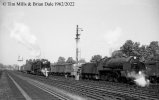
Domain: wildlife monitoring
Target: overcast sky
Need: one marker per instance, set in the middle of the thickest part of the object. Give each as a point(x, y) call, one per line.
point(50, 31)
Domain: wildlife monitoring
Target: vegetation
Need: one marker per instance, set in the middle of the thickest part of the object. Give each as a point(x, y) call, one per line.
point(96, 58)
point(144, 52)
point(70, 60)
point(61, 60)
point(129, 48)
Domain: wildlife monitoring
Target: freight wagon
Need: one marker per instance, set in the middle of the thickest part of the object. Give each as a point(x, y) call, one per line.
point(64, 69)
point(26, 68)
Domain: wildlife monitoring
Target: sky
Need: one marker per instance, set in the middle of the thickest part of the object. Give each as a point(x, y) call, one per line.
point(49, 31)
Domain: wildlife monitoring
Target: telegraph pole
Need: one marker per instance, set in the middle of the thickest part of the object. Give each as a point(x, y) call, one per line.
point(77, 41)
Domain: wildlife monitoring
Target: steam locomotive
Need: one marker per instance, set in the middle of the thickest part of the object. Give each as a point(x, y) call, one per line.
point(112, 69)
point(36, 66)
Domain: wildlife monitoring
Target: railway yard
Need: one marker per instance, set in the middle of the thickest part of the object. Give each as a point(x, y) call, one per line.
point(98, 50)
point(15, 85)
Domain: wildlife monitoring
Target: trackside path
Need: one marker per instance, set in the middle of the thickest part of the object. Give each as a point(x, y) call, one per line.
point(5, 90)
point(27, 97)
point(55, 92)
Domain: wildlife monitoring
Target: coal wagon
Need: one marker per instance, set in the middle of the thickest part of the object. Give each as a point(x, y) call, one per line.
point(61, 69)
point(64, 69)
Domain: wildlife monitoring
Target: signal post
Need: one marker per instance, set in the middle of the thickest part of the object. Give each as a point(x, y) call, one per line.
point(77, 49)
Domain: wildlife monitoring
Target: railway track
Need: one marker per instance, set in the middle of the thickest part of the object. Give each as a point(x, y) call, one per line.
point(82, 91)
point(59, 95)
point(151, 88)
point(98, 91)
point(116, 89)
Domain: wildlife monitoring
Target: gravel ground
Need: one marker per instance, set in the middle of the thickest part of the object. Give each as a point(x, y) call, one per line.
point(5, 90)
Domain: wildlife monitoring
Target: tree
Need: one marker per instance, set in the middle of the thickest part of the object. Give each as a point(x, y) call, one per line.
point(1, 66)
point(96, 58)
point(61, 60)
point(70, 60)
point(153, 51)
point(130, 48)
point(144, 52)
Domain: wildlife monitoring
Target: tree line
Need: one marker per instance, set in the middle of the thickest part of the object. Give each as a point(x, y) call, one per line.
point(62, 60)
point(148, 52)
point(129, 48)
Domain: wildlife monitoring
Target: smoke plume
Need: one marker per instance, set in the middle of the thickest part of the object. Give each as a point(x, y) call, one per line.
point(139, 78)
point(112, 38)
point(22, 34)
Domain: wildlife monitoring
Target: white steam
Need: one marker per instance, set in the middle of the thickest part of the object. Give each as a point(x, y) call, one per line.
point(139, 78)
point(112, 38)
point(22, 34)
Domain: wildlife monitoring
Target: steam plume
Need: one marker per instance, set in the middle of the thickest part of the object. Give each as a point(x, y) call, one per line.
point(22, 34)
point(139, 78)
point(112, 38)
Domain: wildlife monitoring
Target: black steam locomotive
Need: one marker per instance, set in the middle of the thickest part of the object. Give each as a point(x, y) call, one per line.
point(112, 69)
point(36, 66)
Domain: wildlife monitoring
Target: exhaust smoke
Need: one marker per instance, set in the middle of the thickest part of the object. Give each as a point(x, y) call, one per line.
point(139, 78)
point(22, 34)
